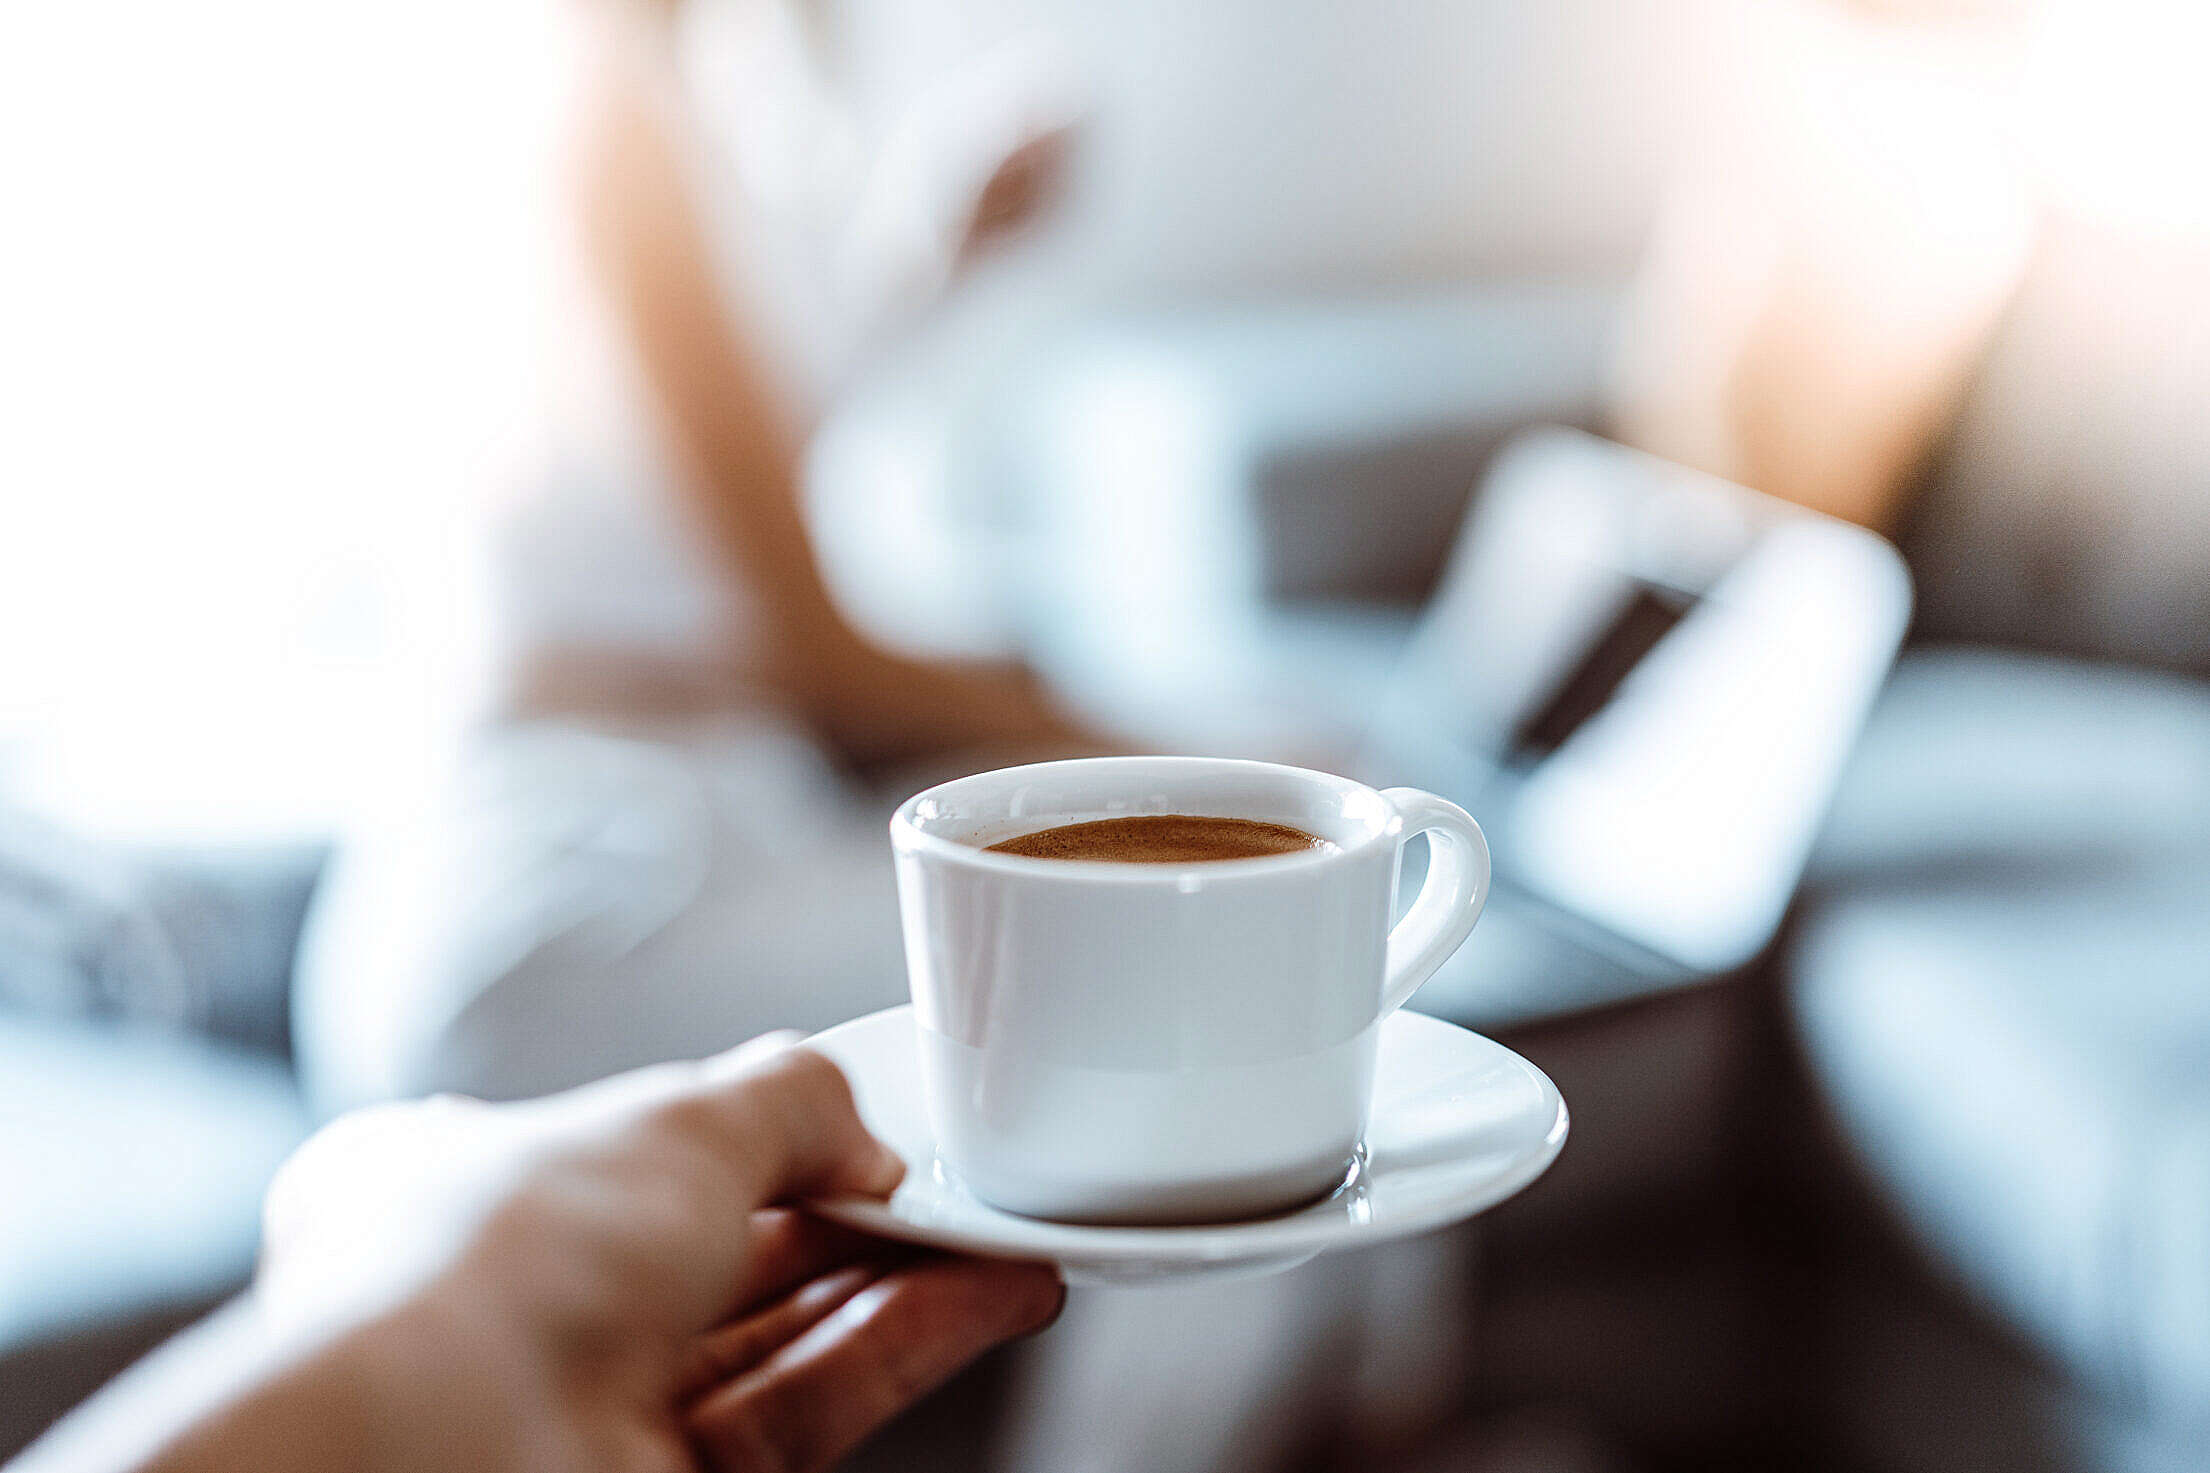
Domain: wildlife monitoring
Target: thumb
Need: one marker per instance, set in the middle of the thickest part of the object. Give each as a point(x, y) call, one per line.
point(782, 1118)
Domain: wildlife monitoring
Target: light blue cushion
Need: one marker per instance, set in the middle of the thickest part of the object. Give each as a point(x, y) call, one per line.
point(2011, 763)
point(2003, 985)
point(131, 1169)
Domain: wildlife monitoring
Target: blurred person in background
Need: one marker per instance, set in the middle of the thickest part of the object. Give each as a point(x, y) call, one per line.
point(1846, 217)
point(662, 831)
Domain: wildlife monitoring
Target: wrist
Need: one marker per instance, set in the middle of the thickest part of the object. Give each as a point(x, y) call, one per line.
point(233, 1391)
point(441, 1379)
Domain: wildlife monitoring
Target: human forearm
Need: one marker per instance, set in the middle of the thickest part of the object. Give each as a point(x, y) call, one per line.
point(605, 1281)
point(735, 437)
point(442, 1380)
point(231, 1393)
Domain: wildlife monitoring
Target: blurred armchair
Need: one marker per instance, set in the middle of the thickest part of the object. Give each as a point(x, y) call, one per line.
point(1998, 984)
point(146, 1094)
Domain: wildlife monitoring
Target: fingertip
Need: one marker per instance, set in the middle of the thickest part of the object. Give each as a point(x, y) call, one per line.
point(1058, 1303)
point(1032, 1294)
point(1048, 1290)
point(883, 1171)
point(872, 1168)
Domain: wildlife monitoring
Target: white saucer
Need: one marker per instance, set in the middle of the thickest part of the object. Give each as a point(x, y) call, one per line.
point(1459, 1124)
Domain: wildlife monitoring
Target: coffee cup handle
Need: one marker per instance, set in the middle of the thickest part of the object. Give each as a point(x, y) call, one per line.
point(1450, 900)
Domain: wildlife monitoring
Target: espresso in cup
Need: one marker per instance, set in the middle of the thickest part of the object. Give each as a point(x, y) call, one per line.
point(1165, 1041)
point(1163, 838)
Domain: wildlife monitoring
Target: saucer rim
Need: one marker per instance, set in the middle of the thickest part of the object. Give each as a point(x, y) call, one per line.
point(1303, 1230)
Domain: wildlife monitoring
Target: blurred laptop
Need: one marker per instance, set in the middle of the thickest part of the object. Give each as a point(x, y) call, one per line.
point(1644, 682)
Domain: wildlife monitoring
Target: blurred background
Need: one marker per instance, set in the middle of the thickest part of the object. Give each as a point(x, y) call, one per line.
point(498, 500)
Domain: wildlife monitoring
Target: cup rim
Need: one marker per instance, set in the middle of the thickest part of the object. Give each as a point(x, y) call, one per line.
point(908, 836)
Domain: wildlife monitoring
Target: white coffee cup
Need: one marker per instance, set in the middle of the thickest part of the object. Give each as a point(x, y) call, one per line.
point(1108, 1041)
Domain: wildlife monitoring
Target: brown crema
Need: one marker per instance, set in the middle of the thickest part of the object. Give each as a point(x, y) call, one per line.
point(1162, 838)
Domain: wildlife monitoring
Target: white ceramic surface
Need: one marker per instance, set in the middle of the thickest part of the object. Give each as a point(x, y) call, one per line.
point(1144, 1043)
point(1459, 1124)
